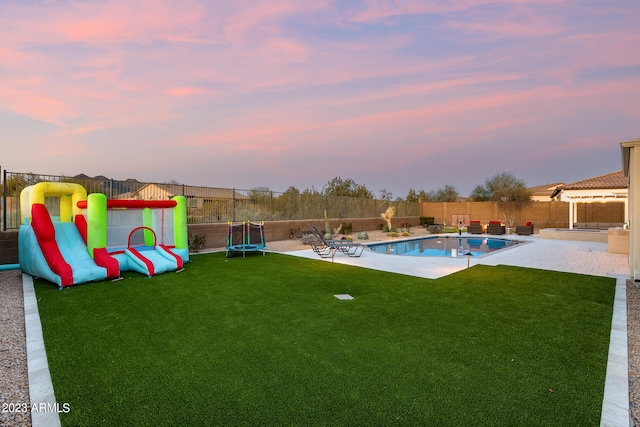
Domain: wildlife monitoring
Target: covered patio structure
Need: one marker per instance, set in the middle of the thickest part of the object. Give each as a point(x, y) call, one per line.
point(631, 170)
point(611, 187)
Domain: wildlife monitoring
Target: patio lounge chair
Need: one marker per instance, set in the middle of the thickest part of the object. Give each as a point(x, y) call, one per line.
point(327, 247)
point(474, 227)
point(495, 227)
point(526, 229)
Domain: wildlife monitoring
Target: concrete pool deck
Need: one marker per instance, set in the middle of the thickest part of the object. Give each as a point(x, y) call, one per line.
point(568, 256)
point(557, 255)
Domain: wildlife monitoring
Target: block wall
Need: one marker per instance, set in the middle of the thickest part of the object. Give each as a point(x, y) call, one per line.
point(9, 247)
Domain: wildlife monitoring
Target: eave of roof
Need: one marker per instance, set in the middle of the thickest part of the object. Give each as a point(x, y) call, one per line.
point(606, 181)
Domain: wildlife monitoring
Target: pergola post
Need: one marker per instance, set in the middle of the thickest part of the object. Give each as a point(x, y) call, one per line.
point(571, 214)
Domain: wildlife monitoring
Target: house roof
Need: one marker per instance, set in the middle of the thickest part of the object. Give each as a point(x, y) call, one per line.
point(545, 190)
point(197, 192)
point(606, 181)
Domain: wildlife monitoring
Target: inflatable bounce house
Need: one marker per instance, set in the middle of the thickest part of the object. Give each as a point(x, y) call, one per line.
point(92, 238)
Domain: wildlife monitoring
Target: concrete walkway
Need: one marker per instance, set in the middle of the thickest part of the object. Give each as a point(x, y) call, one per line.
point(589, 258)
point(559, 255)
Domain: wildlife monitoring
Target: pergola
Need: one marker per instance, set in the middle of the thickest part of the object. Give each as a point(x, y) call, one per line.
point(611, 187)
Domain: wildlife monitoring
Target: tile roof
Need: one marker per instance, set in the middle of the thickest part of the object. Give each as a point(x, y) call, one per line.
point(545, 190)
point(609, 180)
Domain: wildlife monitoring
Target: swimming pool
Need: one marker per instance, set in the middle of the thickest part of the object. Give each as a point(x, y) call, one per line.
point(444, 246)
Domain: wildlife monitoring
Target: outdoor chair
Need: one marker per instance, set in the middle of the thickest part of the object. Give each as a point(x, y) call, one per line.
point(327, 247)
point(474, 227)
point(525, 230)
point(495, 228)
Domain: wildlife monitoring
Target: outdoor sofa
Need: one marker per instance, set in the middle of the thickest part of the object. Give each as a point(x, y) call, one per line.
point(474, 227)
point(495, 227)
point(525, 230)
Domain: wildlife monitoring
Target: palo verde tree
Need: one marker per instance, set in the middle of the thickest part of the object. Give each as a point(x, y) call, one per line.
point(287, 204)
point(448, 193)
point(414, 196)
point(504, 189)
point(346, 188)
point(16, 183)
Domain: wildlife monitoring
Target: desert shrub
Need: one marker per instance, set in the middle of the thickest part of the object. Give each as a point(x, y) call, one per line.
point(294, 233)
point(197, 241)
point(426, 221)
point(363, 235)
point(307, 238)
point(347, 227)
point(435, 228)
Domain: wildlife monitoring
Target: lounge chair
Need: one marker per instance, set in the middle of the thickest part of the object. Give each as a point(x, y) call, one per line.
point(526, 229)
point(495, 228)
point(328, 247)
point(474, 227)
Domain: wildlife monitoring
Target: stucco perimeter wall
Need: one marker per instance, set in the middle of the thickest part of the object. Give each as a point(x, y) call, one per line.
point(542, 214)
point(216, 234)
point(9, 247)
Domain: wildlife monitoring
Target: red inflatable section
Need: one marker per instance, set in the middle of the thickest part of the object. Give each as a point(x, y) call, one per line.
point(81, 225)
point(104, 259)
point(178, 259)
point(151, 270)
point(134, 204)
point(46, 237)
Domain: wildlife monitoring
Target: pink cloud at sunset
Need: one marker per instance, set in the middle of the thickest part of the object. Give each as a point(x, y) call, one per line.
point(446, 92)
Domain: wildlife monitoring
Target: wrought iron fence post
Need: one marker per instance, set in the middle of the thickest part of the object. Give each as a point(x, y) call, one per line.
point(4, 200)
point(233, 204)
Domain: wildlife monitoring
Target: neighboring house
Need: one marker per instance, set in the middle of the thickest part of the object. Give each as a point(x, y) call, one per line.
point(544, 193)
point(196, 196)
point(607, 188)
point(204, 204)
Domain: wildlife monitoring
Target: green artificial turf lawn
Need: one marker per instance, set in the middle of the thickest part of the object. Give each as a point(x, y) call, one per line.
point(263, 341)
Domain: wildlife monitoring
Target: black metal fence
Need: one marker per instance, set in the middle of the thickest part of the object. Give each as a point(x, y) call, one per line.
point(208, 204)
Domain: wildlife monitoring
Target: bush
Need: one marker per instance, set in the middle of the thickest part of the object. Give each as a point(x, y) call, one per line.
point(308, 237)
point(426, 221)
point(294, 233)
point(197, 241)
point(346, 228)
point(435, 228)
point(363, 235)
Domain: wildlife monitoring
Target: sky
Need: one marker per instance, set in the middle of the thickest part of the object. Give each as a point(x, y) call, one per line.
point(391, 94)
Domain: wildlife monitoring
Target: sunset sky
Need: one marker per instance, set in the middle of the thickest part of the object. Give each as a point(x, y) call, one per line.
point(392, 94)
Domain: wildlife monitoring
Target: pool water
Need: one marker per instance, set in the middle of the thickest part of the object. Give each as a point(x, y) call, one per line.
point(442, 246)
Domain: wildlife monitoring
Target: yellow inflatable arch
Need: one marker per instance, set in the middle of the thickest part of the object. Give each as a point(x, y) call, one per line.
point(70, 195)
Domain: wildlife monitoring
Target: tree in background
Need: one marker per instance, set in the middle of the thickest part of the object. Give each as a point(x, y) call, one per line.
point(448, 193)
point(287, 204)
point(346, 188)
point(414, 196)
point(509, 192)
point(15, 184)
point(386, 195)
